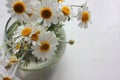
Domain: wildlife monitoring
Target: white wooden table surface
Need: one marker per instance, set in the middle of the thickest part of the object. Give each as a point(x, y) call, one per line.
point(96, 52)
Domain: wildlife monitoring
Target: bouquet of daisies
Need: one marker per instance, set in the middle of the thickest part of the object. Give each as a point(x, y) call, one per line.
point(36, 34)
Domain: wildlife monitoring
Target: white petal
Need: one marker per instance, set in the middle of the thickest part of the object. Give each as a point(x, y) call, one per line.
point(8, 5)
point(28, 10)
point(48, 23)
point(1, 52)
point(79, 17)
point(85, 25)
point(13, 15)
point(80, 24)
point(34, 18)
point(54, 20)
point(45, 23)
point(26, 16)
point(10, 2)
point(26, 1)
point(10, 10)
point(64, 18)
point(18, 40)
point(79, 10)
point(17, 78)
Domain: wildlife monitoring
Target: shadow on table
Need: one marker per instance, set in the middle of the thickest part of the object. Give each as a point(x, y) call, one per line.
point(36, 75)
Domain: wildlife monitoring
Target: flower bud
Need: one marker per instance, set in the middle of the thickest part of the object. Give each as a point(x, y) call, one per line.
point(71, 42)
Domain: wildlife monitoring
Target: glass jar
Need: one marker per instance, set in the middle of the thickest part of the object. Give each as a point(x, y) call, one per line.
point(11, 26)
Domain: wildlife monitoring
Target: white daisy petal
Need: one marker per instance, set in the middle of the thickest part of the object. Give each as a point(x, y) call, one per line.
point(13, 15)
point(54, 20)
point(28, 10)
point(85, 25)
point(8, 5)
point(25, 16)
point(10, 1)
point(26, 1)
point(17, 78)
point(64, 18)
point(45, 23)
point(48, 23)
point(9, 10)
point(80, 24)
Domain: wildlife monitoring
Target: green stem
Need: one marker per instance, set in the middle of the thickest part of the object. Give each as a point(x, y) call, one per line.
point(76, 6)
point(5, 44)
point(62, 41)
point(7, 51)
point(15, 69)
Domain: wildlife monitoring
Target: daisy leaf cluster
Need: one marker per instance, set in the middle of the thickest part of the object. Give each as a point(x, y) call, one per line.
point(36, 34)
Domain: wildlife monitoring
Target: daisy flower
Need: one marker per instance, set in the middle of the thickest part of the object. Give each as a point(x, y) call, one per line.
point(46, 47)
point(22, 33)
point(7, 63)
point(60, 1)
point(48, 12)
point(33, 17)
point(16, 47)
point(20, 9)
point(66, 12)
point(34, 37)
point(3, 60)
point(5, 75)
point(29, 33)
point(83, 16)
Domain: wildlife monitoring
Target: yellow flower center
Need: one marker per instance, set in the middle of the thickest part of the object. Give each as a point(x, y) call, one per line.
point(60, 0)
point(38, 32)
point(34, 37)
point(66, 10)
point(6, 78)
point(8, 66)
point(26, 31)
point(45, 46)
point(46, 13)
point(85, 16)
point(29, 14)
point(13, 60)
point(18, 46)
point(19, 7)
